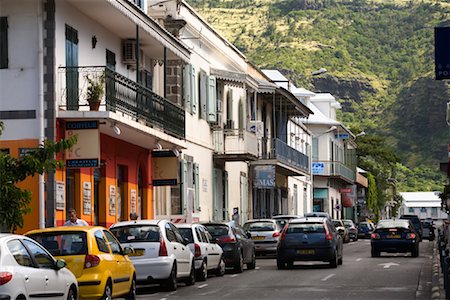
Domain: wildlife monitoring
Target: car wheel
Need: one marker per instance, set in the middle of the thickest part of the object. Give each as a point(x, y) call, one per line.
point(375, 253)
point(239, 267)
point(251, 265)
point(191, 279)
point(171, 283)
point(334, 260)
point(290, 264)
point(107, 294)
point(202, 273)
point(72, 294)
point(281, 265)
point(132, 293)
point(415, 252)
point(220, 271)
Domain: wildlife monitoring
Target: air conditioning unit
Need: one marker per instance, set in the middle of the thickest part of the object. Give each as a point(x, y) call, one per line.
point(129, 55)
point(257, 127)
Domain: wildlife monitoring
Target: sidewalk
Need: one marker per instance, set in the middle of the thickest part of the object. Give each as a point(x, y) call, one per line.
point(437, 280)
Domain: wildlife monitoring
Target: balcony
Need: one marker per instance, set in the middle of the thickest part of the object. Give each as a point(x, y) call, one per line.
point(334, 169)
point(122, 96)
point(288, 160)
point(235, 145)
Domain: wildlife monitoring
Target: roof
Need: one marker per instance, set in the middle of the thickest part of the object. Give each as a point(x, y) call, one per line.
point(421, 199)
point(136, 222)
point(318, 118)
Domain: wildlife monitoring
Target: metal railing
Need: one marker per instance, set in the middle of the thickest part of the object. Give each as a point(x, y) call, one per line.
point(333, 168)
point(235, 141)
point(279, 150)
point(122, 95)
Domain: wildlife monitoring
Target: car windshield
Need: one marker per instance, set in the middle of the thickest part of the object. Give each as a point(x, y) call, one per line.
point(136, 233)
point(259, 226)
point(187, 234)
point(217, 230)
point(62, 243)
point(305, 228)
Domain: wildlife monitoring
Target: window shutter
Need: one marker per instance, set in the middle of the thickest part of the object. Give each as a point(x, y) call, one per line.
point(197, 188)
point(225, 191)
point(230, 105)
point(212, 99)
point(187, 88)
point(203, 96)
point(3, 42)
point(241, 114)
point(183, 185)
point(193, 90)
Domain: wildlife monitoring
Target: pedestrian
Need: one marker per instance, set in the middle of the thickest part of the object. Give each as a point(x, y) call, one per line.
point(133, 216)
point(73, 219)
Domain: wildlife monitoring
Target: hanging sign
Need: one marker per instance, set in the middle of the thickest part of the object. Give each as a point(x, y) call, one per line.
point(86, 152)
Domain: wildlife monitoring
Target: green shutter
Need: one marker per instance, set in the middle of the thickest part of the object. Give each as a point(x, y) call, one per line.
point(230, 106)
point(197, 188)
point(187, 88)
point(212, 99)
point(3, 42)
point(226, 215)
point(193, 91)
point(183, 185)
point(203, 96)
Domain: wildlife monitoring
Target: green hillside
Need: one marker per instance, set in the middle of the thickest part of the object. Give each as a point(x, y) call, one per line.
point(380, 61)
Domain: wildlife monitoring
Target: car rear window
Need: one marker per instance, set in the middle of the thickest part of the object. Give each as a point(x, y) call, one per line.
point(217, 230)
point(259, 226)
point(305, 228)
point(392, 224)
point(62, 243)
point(337, 223)
point(136, 233)
point(187, 234)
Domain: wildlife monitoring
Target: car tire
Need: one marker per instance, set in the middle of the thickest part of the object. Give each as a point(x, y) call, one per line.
point(281, 265)
point(252, 265)
point(107, 294)
point(290, 264)
point(374, 252)
point(334, 260)
point(170, 283)
point(239, 267)
point(132, 292)
point(220, 271)
point(191, 279)
point(415, 252)
point(202, 273)
point(72, 294)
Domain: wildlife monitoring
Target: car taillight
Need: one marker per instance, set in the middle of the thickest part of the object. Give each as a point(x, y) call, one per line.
point(197, 251)
point(162, 248)
point(5, 277)
point(276, 234)
point(283, 232)
point(227, 239)
point(375, 236)
point(328, 235)
point(91, 261)
point(411, 236)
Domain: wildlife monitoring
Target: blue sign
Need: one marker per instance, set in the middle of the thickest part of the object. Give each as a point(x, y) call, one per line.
point(342, 136)
point(264, 177)
point(318, 168)
point(82, 163)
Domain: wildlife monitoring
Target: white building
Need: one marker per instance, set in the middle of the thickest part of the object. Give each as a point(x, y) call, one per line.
point(423, 204)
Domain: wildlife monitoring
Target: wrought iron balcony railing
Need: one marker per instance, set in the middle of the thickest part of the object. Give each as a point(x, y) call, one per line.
point(333, 168)
point(122, 95)
point(279, 150)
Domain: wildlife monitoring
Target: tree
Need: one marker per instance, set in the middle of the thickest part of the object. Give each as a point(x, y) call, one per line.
point(14, 201)
point(372, 196)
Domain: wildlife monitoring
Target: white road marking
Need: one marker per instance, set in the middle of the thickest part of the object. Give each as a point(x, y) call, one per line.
point(257, 268)
point(388, 265)
point(163, 299)
point(202, 286)
point(328, 277)
point(234, 275)
point(358, 259)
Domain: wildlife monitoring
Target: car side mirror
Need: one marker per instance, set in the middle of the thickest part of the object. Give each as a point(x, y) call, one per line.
point(60, 263)
point(128, 250)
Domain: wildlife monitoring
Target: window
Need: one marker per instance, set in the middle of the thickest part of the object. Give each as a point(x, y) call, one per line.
point(20, 253)
point(101, 242)
point(170, 234)
point(3, 42)
point(113, 243)
point(411, 209)
point(40, 255)
point(177, 234)
point(423, 209)
point(434, 212)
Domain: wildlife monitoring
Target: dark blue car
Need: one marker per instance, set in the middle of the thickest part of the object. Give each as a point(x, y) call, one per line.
point(393, 236)
point(364, 230)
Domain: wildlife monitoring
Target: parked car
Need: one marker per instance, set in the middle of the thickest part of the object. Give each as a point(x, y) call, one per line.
point(416, 223)
point(428, 231)
point(28, 270)
point(342, 230)
point(393, 236)
point(264, 233)
point(238, 248)
point(309, 239)
point(352, 230)
point(321, 214)
point(96, 258)
point(283, 219)
point(161, 254)
point(364, 229)
point(207, 255)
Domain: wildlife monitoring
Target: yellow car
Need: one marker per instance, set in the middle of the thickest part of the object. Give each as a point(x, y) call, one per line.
point(96, 258)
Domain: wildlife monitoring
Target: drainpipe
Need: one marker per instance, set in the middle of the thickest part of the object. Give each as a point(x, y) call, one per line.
point(41, 108)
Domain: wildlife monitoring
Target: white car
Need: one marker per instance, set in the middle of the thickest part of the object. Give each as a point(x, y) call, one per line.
point(161, 255)
point(208, 255)
point(28, 270)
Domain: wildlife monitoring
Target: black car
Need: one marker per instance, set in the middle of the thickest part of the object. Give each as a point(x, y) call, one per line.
point(238, 248)
point(393, 236)
point(416, 222)
point(428, 231)
point(309, 239)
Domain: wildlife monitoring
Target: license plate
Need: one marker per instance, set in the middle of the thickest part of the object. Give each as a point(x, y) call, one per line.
point(258, 238)
point(394, 236)
point(307, 252)
point(137, 252)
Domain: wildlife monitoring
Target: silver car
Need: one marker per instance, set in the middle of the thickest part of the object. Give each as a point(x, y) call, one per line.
point(264, 233)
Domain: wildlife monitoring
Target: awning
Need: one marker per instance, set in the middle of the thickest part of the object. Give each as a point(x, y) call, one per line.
point(232, 78)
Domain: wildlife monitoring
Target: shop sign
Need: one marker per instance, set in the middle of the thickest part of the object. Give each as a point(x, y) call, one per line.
point(86, 152)
point(264, 177)
point(348, 196)
point(318, 168)
point(60, 193)
point(165, 168)
point(87, 198)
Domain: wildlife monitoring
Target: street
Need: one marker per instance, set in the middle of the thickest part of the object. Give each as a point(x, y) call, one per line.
point(392, 276)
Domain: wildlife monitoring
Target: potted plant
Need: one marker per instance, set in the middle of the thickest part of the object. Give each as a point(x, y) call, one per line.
point(95, 90)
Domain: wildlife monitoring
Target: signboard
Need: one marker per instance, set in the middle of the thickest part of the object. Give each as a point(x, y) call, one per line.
point(112, 200)
point(165, 168)
point(60, 193)
point(86, 152)
point(348, 196)
point(342, 136)
point(318, 168)
point(133, 200)
point(441, 50)
point(264, 177)
point(87, 198)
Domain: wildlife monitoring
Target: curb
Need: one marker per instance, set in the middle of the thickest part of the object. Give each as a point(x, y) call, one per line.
point(437, 282)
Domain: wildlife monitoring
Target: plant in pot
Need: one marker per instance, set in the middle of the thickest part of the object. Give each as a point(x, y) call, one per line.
point(95, 90)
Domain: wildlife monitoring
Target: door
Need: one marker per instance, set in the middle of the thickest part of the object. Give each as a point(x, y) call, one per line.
point(122, 269)
point(175, 248)
point(71, 68)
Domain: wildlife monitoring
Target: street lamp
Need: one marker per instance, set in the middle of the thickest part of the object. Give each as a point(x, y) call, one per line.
point(362, 133)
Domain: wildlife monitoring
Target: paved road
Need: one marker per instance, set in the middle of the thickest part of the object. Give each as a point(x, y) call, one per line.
point(395, 276)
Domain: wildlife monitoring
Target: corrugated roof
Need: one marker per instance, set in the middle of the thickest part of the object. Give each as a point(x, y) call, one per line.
point(420, 196)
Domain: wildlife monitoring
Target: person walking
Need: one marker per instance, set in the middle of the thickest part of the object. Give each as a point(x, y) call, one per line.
point(73, 219)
